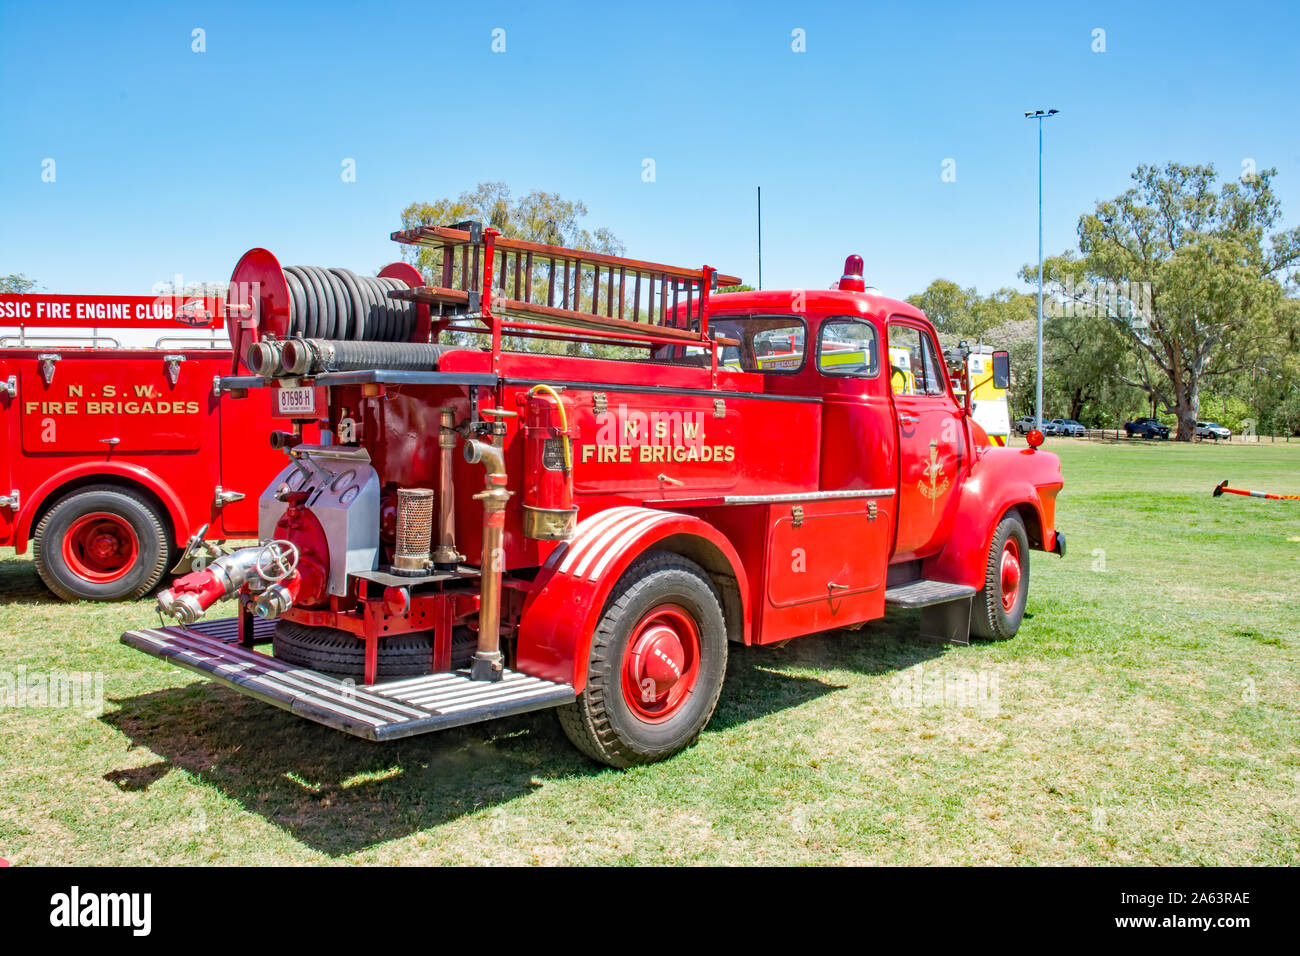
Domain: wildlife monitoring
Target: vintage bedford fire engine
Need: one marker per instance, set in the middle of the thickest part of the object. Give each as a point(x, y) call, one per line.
point(486, 529)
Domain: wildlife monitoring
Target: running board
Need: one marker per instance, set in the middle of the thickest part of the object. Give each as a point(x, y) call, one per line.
point(945, 608)
point(399, 708)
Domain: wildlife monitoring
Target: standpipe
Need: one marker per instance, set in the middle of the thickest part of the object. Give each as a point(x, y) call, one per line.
point(488, 662)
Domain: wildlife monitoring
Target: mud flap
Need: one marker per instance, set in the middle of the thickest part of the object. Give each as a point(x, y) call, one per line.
point(948, 623)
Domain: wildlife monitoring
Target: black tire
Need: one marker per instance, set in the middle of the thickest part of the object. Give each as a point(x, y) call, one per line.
point(338, 653)
point(601, 723)
point(146, 568)
point(988, 618)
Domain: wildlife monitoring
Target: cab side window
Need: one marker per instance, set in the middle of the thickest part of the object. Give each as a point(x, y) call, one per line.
point(913, 367)
point(848, 347)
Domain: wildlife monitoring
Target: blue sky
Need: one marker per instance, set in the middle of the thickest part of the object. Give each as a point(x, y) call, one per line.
point(170, 161)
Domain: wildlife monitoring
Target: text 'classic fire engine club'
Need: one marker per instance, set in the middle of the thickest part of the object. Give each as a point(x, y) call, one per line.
point(538, 478)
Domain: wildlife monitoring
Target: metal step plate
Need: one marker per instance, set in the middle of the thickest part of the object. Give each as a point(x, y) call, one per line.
point(924, 593)
point(400, 708)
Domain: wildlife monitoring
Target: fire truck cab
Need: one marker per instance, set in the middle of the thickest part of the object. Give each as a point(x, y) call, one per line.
point(487, 530)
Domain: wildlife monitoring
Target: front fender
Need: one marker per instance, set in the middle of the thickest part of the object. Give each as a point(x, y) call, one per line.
point(131, 474)
point(561, 613)
point(1000, 479)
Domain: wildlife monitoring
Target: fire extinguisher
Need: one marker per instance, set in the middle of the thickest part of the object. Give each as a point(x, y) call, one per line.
point(549, 514)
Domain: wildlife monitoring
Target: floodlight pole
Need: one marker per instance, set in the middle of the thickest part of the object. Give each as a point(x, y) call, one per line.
point(1040, 115)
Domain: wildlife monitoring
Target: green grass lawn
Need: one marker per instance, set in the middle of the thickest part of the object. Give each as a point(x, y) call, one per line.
point(1147, 713)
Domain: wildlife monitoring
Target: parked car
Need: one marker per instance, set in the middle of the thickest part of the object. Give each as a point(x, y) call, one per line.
point(1146, 428)
point(1025, 424)
point(1068, 427)
point(1212, 430)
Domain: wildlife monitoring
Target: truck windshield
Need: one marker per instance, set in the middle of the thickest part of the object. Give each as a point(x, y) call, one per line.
point(848, 347)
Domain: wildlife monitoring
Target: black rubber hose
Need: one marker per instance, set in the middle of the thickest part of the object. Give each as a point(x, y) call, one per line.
point(308, 300)
point(313, 356)
point(353, 330)
point(332, 302)
point(297, 306)
point(402, 310)
point(342, 304)
point(371, 328)
point(395, 318)
point(324, 303)
point(311, 309)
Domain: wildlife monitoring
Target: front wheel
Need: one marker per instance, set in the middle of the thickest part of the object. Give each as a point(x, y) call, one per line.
point(1000, 606)
point(656, 665)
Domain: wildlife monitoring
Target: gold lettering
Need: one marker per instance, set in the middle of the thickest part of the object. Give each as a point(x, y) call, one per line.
point(731, 453)
point(647, 453)
point(625, 454)
point(110, 391)
point(192, 408)
point(133, 408)
point(74, 390)
point(587, 452)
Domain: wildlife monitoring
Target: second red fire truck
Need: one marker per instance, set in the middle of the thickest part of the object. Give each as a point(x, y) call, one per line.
point(588, 523)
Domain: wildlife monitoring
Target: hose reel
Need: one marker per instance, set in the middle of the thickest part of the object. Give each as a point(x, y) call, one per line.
point(265, 299)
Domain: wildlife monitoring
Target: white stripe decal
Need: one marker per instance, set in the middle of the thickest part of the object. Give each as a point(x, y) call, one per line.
point(584, 534)
point(607, 534)
point(626, 539)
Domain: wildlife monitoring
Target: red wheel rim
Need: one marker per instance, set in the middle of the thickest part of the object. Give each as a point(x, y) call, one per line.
point(100, 547)
point(661, 663)
point(1010, 574)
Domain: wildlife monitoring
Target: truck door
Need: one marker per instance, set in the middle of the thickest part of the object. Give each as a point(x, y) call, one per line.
point(929, 439)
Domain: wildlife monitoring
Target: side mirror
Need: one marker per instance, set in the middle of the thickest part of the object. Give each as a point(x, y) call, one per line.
point(1001, 370)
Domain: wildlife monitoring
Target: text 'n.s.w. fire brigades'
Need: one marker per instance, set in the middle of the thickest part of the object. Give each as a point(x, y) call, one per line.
point(137, 400)
point(666, 437)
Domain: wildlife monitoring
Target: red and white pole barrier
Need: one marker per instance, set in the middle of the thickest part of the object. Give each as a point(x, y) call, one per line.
point(1222, 487)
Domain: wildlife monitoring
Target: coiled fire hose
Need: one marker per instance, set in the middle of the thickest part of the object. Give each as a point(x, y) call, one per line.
point(339, 304)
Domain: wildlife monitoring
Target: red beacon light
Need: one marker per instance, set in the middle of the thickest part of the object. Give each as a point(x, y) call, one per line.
point(1034, 438)
point(852, 280)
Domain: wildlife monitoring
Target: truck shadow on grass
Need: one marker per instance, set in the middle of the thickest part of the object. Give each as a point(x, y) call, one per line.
point(338, 795)
point(20, 584)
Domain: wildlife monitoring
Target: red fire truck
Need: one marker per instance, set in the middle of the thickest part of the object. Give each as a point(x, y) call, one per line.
point(116, 450)
point(621, 508)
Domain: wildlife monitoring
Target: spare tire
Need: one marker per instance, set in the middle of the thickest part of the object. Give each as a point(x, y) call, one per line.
point(340, 653)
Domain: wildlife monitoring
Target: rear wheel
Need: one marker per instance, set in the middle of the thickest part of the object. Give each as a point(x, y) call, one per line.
point(101, 544)
point(656, 666)
point(999, 608)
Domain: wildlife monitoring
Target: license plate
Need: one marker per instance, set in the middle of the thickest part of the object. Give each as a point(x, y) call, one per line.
point(297, 402)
